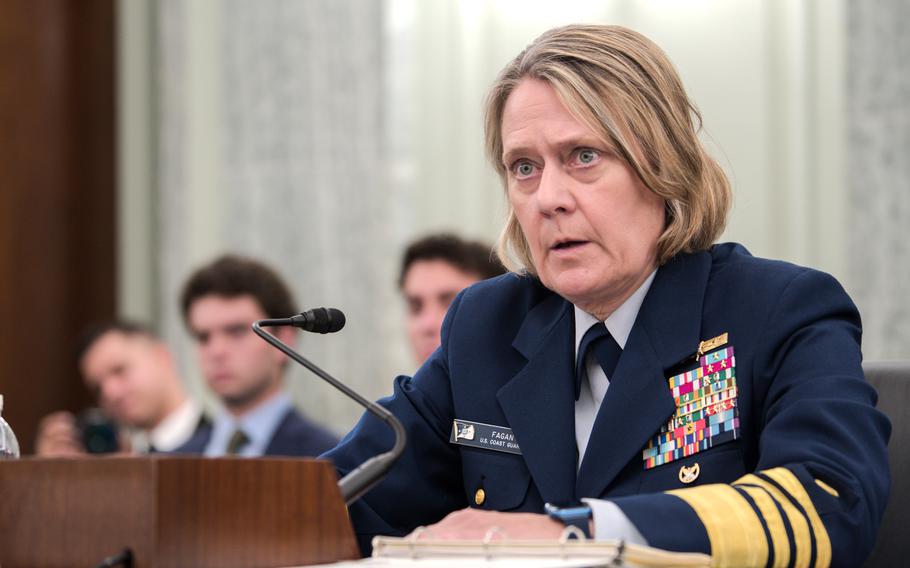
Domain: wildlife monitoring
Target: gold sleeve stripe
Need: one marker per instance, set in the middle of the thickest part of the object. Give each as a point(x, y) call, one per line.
point(782, 514)
point(802, 533)
point(792, 485)
point(827, 487)
point(800, 517)
point(731, 524)
point(780, 542)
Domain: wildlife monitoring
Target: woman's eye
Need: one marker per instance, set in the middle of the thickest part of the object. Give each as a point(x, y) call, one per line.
point(586, 156)
point(524, 169)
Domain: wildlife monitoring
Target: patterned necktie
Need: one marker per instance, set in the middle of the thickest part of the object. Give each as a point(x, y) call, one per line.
point(238, 440)
point(605, 349)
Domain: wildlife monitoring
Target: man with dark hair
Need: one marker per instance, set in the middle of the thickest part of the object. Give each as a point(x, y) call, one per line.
point(434, 270)
point(137, 384)
point(220, 302)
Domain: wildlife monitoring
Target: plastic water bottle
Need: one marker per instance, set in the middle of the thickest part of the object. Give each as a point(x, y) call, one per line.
point(9, 446)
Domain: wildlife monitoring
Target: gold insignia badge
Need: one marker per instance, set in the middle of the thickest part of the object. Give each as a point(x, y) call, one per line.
point(480, 496)
point(710, 344)
point(689, 474)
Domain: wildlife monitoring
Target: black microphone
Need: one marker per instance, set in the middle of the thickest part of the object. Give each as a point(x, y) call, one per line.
point(317, 320)
point(124, 558)
point(329, 320)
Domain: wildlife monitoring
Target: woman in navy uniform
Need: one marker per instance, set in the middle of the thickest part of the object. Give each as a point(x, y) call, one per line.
point(629, 376)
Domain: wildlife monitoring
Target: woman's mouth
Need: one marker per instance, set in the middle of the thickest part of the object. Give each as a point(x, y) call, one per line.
point(568, 245)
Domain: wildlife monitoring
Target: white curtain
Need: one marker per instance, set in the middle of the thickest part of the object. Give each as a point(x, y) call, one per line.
point(879, 166)
point(271, 145)
point(767, 76)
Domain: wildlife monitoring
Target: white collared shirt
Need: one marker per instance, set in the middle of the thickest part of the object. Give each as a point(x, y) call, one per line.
point(593, 390)
point(258, 424)
point(172, 432)
point(609, 520)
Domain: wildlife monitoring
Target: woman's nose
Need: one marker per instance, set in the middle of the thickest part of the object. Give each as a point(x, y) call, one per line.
point(554, 193)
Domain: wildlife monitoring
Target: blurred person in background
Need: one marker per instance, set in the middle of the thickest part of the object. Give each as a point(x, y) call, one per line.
point(434, 269)
point(135, 379)
point(220, 302)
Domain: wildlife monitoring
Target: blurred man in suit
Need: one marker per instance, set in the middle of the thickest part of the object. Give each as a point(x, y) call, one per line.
point(434, 269)
point(220, 302)
point(137, 384)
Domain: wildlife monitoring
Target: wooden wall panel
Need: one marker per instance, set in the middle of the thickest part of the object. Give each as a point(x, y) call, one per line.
point(57, 198)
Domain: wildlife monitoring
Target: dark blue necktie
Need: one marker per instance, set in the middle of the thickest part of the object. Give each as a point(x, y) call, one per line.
point(605, 349)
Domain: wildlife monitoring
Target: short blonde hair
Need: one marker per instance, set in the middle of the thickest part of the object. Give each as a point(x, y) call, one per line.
point(623, 87)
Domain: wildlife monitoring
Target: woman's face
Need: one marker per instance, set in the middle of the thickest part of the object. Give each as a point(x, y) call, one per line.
point(591, 224)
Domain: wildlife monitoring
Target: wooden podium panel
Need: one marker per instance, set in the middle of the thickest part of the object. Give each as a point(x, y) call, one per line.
point(172, 511)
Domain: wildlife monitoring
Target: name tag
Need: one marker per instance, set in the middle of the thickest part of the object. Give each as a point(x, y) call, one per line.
point(486, 436)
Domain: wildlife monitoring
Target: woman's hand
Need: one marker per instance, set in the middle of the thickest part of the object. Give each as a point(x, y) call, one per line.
point(475, 524)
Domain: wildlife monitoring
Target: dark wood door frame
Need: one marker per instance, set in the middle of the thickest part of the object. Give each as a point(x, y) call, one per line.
point(57, 198)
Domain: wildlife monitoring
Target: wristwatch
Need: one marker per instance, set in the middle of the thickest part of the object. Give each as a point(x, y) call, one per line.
point(574, 514)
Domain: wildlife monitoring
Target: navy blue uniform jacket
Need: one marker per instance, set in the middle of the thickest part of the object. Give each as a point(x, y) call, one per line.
point(805, 483)
point(295, 436)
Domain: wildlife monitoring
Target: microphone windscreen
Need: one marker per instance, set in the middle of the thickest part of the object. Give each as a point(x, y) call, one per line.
point(336, 320)
point(320, 320)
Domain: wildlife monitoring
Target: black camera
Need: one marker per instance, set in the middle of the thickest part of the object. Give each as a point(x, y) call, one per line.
point(99, 432)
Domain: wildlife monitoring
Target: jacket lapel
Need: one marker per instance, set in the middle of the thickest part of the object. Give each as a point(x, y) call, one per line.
point(539, 401)
point(638, 401)
point(281, 444)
